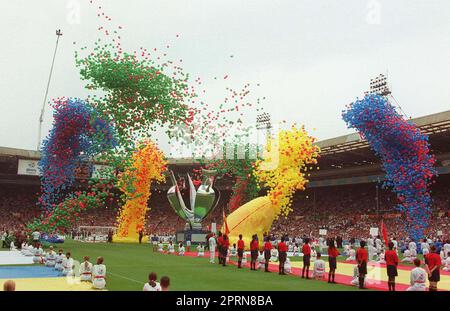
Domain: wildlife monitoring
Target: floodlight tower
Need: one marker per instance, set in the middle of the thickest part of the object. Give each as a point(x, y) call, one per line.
point(380, 86)
point(41, 116)
point(263, 122)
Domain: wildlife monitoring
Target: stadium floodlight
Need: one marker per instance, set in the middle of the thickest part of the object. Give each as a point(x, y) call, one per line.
point(41, 116)
point(263, 121)
point(379, 86)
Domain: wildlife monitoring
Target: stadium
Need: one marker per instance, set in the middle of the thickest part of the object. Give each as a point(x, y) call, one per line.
point(160, 165)
point(345, 198)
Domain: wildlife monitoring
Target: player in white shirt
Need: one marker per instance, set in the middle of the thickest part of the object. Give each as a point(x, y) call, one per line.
point(50, 258)
point(67, 265)
point(161, 247)
point(413, 254)
point(36, 235)
point(395, 244)
point(181, 249)
point(38, 253)
point(296, 250)
point(425, 246)
point(418, 278)
point(28, 250)
point(407, 256)
point(188, 246)
point(446, 263)
point(378, 245)
point(200, 250)
point(171, 248)
point(355, 280)
point(274, 254)
point(233, 250)
point(261, 261)
point(351, 254)
point(370, 248)
point(12, 247)
point(290, 248)
point(59, 260)
point(287, 266)
point(212, 248)
point(152, 285)
point(313, 254)
point(86, 270)
point(319, 267)
point(446, 249)
point(412, 246)
point(321, 244)
point(381, 259)
point(99, 274)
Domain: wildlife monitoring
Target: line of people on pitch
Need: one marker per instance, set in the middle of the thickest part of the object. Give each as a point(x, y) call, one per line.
point(66, 266)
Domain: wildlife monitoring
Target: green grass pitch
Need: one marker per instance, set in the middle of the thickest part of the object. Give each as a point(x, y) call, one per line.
point(128, 266)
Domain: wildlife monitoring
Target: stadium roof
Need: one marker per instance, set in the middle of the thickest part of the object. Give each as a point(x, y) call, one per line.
point(343, 153)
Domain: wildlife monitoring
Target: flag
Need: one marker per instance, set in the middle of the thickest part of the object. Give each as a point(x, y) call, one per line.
point(384, 233)
point(225, 225)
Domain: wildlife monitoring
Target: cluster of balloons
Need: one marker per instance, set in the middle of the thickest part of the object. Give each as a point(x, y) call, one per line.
point(239, 165)
point(148, 164)
point(139, 96)
point(77, 135)
point(66, 213)
point(405, 156)
point(285, 164)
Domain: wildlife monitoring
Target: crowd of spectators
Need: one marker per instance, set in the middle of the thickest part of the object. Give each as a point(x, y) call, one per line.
point(349, 212)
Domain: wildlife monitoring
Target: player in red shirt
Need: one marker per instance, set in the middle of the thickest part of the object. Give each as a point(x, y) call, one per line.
point(306, 251)
point(240, 250)
point(433, 265)
point(282, 255)
point(254, 247)
point(267, 249)
point(391, 265)
point(219, 247)
point(332, 260)
point(225, 245)
point(362, 258)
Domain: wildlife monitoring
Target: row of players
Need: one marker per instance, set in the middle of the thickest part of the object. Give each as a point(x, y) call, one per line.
point(378, 255)
point(418, 274)
point(66, 265)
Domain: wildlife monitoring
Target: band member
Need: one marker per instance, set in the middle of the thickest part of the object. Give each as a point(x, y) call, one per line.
point(267, 249)
point(282, 255)
point(433, 264)
point(225, 246)
point(219, 247)
point(391, 259)
point(332, 260)
point(361, 258)
point(240, 250)
point(254, 246)
point(306, 250)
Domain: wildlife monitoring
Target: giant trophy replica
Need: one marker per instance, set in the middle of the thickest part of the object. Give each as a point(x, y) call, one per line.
point(202, 202)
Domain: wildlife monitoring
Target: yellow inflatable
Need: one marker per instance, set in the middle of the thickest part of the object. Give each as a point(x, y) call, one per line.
point(283, 172)
point(254, 217)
